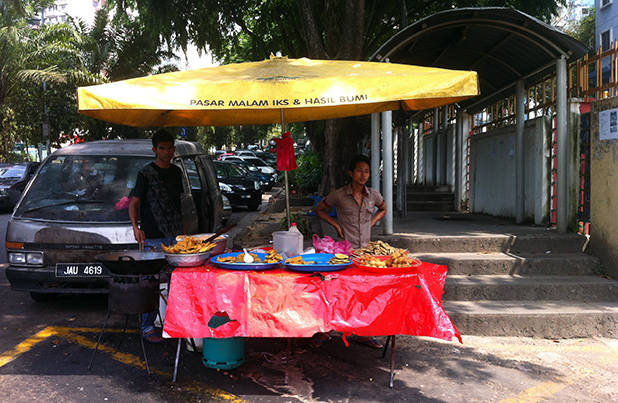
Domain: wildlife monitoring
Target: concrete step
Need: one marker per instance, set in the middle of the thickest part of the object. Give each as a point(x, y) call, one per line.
point(530, 288)
point(430, 196)
point(431, 205)
point(565, 264)
point(428, 188)
point(535, 243)
point(548, 319)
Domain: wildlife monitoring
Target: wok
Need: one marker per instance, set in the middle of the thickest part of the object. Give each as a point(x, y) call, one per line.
point(132, 262)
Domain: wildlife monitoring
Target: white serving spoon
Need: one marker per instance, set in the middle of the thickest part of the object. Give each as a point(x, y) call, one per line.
point(247, 258)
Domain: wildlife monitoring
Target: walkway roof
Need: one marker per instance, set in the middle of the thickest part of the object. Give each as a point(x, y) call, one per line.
point(501, 44)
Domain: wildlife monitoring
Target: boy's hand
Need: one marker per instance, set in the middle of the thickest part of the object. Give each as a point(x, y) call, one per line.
point(139, 235)
point(339, 231)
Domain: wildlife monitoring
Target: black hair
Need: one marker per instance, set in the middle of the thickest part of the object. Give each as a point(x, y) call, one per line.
point(359, 158)
point(161, 136)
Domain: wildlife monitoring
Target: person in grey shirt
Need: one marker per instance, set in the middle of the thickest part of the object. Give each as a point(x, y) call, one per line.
point(356, 205)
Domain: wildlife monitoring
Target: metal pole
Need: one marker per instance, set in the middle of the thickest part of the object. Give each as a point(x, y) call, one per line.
point(458, 159)
point(519, 150)
point(405, 177)
point(434, 147)
point(387, 173)
point(375, 151)
point(562, 145)
point(285, 175)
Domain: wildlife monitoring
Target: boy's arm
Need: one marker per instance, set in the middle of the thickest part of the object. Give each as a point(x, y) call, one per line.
point(139, 235)
point(379, 214)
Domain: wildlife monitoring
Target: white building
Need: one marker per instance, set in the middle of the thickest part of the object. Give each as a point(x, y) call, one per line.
point(62, 9)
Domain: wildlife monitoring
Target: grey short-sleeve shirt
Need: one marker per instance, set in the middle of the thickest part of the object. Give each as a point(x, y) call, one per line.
point(355, 219)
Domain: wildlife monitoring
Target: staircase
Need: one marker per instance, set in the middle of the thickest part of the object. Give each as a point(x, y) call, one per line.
point(430, 198)
point(538, 285)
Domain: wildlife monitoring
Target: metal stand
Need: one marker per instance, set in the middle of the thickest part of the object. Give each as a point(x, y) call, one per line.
point(390, 339)
point(177, 359)
point(139, 334)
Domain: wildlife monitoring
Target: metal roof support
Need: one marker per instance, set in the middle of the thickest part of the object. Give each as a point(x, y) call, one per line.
point(520, 94)
point(562, 145)
point(375, 151)
point(460, 133)
point(387, 173)
point(434, 145)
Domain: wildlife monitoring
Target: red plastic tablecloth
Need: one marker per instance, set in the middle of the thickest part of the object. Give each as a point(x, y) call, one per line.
point(279, 303)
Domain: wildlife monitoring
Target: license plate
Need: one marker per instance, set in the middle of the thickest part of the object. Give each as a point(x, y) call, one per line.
point(81, 270)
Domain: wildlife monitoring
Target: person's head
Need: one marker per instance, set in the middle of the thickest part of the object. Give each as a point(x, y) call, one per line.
point(163, 145)
point(359, 169)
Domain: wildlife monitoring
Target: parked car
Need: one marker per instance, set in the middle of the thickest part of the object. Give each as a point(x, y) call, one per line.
point(236, 186)
point(76, 207)
point(268, 157)
point(266, 181)
point(227, 210)
point(260, 164)
point(244, 153)
point(13, 181)
point(223, 155)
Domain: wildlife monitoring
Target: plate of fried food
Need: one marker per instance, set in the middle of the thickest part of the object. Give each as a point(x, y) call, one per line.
point(398, 262)
point(188, 252)
point(312, 262)
point(236, 260)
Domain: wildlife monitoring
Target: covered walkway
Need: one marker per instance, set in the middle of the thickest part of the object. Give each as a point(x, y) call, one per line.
point(510, 50)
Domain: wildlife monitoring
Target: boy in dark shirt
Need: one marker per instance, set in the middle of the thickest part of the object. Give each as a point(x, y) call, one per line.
point(156, 200)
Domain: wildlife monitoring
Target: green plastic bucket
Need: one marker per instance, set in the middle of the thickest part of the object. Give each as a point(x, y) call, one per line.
point(224, 353)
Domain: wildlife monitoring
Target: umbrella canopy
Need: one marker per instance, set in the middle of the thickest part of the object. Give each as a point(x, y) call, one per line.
point(257, 92)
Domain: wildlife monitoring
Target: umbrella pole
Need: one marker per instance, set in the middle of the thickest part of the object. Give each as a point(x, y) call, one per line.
point(285, 174)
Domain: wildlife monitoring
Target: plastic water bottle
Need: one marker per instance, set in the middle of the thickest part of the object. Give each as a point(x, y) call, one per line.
point(294, 230)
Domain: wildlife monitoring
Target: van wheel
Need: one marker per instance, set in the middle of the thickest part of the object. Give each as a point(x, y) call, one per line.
point(43, 296)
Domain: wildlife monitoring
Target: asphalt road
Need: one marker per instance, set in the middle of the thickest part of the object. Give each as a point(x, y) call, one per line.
point(45, 349)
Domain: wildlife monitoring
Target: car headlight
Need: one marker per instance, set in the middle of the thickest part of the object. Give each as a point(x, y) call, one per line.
point(257, 185)
point(17, 258)
point(35, 258)
point(240, 187)
point(224, 187)
point(4, 191)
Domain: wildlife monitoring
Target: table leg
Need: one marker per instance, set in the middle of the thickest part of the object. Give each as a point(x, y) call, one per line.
point(388, 339)
point(390, 385)
point(177, 358)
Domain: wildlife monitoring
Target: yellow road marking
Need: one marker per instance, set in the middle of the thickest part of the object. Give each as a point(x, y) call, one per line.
point(25, 345)
point(538, 392)
point(69, 333)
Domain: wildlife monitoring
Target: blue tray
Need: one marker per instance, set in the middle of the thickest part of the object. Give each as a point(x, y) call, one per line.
point(321, 264)
point(243, 266)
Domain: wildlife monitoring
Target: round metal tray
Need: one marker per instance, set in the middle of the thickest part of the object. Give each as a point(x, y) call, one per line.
point(187, 259)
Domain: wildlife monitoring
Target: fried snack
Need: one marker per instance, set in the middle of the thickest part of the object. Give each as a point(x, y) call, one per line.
point(240, 258)
point(401, 258)
point(377, 248)
point(339, 259)
point(272, 257)
point(371, 261)
point(295, 260)
point(188, 245)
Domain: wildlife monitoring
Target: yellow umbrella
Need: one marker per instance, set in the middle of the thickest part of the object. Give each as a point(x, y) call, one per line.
point(274, 90)
point(257, 92)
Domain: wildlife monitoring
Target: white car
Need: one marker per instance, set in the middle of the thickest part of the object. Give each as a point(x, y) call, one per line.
point(244, 153)
point(258, 163)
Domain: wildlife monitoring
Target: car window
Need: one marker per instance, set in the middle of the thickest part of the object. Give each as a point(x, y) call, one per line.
point(220, 170)
point(16, 171)
point(234, 170)
point(82, 188)
point(194, 176)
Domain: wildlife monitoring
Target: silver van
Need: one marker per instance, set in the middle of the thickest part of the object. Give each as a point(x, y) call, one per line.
point(76, 207)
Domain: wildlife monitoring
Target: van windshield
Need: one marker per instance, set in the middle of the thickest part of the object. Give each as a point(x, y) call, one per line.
point(82, 188)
